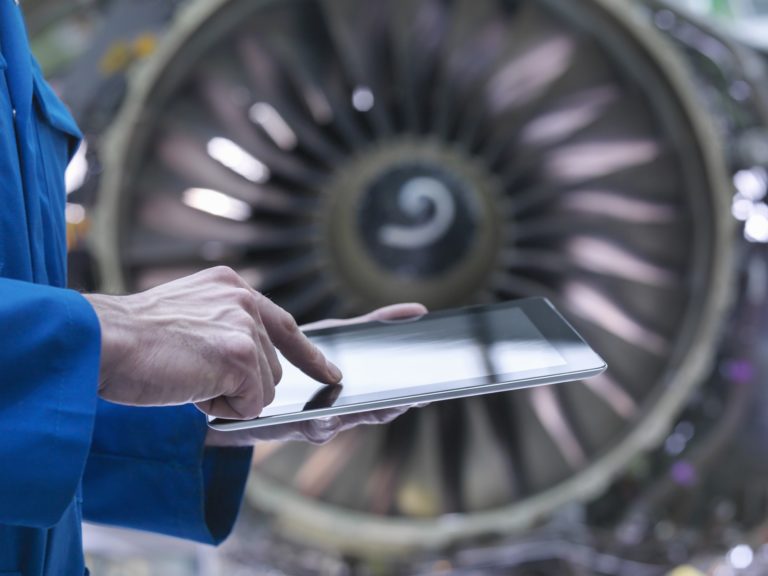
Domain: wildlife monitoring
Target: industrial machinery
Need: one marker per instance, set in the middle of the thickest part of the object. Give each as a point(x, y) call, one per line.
point(342, 154)
point(405, 150)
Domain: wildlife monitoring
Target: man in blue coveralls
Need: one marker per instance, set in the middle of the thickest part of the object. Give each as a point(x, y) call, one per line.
point(78, 374)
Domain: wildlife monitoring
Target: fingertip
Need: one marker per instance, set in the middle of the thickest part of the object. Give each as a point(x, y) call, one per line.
point(334, 372)
point(418, 308)
point(397, 311)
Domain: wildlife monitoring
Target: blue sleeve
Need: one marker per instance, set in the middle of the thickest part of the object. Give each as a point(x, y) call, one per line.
point(149, 470)
point(49, 369)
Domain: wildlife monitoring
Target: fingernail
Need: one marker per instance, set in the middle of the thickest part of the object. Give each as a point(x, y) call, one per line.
point(334, 371)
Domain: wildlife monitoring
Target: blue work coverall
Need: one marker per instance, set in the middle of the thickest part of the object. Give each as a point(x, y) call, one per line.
point(65, 455)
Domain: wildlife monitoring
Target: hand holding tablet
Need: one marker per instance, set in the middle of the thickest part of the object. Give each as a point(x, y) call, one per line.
point(438, 356)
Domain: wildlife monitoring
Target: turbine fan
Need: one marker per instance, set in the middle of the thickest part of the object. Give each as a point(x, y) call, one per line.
point(342, 154)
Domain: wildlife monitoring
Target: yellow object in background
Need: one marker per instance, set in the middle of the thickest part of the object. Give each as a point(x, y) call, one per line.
point(123, 53)
point(77, 233)
point(686, 570)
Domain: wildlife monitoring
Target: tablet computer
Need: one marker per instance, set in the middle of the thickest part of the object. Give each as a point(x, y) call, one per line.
point(439, 356)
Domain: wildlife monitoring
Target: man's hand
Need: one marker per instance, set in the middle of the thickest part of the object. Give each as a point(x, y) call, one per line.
point(319, 431)
point(208, 338)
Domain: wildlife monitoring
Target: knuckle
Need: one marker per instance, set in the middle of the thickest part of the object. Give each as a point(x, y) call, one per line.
point(251, 411)
point(250, 405)
point(249, 325)
point(255, 410)
point(239, 347)
point(224, 274)
point(288, 324)
point(269, 395)
point(243, 298)
point(278, 372)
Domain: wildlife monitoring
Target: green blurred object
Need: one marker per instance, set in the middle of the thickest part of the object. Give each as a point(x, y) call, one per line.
point(60, 31)
point(721, 8)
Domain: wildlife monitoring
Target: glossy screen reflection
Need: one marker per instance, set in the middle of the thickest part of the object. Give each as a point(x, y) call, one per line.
point(419, 357)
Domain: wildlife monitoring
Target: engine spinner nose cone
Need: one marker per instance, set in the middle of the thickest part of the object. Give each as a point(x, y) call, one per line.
point(418, 220)
point(413, 220)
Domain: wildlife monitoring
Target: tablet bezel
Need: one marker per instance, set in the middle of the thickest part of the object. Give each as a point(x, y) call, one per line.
point(580, 362)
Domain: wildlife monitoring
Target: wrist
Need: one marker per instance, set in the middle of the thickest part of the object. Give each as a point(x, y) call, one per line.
point(115, 318)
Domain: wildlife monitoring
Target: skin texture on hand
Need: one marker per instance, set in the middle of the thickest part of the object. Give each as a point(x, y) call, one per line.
point(208, 338)
point(321, 430)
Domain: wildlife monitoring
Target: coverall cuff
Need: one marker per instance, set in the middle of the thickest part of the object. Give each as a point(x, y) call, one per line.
point(48, 392)
point(225, 471)
point(149, 469)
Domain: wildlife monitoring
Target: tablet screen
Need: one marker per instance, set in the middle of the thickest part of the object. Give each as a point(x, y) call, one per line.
point(433, 354)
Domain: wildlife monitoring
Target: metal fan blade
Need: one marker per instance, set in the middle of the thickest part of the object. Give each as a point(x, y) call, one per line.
point(618, 206)
point(190, 161)
point(168, 214)
point(420, 492)
point(269, 86)
point(486, 478)
point(594, 255)
point(418, 29)
point(302, 299)
point(613, 395)
point(313, 69)
point(234, 119)
point(567, 117)
point(452, 448)
point(350, 48)
point(547, 407)
point(383, 484)
point(599, 309)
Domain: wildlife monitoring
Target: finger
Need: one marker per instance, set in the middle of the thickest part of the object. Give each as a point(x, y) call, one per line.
point(322, 430)
point(249, 303)
point(393, 312)
point(251, 394)
point(295, 346)
point(219, 407)
point(270, 355)
point(267, 382)
point(384, 416)
point(397, 311)
point(243, 406)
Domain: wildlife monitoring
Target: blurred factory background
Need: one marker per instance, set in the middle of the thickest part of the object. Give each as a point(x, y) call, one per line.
point(611, 155)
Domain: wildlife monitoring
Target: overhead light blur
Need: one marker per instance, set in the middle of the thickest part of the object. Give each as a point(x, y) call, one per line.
point(741, 556)
point(74, 213)
point(238, 160)
point(266, 116)
point(363, 99)
point(742, 208)
point(751, 183)
point(664, 19)
point(74, 177)
point(675, 444)
point(216, 203)
point(756, 227)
